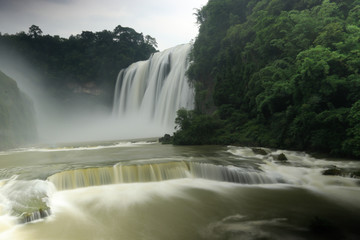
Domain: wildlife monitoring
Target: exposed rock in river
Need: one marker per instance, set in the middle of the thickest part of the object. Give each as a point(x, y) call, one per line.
point(280, 157)
point(259, 151)
point(334, 171)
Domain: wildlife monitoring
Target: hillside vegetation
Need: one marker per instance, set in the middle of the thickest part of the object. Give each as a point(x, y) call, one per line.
point(276, 73)
point(17, 118)
point(87, 63)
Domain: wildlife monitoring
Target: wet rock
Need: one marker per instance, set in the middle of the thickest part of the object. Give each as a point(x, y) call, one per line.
point(259, 151)
point(355, 174)
point(27, 217)
point(333, 172)
point(280, 157)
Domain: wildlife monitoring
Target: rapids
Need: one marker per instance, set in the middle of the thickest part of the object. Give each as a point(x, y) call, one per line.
point(145, 190)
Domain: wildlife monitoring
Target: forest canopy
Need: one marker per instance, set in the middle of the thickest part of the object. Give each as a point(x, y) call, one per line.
point(276, 73)
point(89, 58)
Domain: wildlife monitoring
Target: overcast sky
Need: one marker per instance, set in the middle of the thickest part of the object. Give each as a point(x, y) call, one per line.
point(171, 22)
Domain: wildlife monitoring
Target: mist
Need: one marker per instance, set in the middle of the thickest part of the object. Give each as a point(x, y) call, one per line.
point(150, 101)
point(59, 120)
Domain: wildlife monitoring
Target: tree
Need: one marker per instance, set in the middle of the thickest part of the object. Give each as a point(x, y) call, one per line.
point(352, 144)
point(34, 31)
point(128, 35)
point(89, 58)
point(279, 73)
point(151, 41)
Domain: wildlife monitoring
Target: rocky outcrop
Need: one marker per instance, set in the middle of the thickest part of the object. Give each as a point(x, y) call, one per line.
point(280, 157)
point(17, 118)
point(259, 151)
point(335, 171)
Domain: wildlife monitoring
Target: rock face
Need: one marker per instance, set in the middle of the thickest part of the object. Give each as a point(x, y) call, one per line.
point(17, 118)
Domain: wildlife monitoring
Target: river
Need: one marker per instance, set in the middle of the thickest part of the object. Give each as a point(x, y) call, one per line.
point(146, 190)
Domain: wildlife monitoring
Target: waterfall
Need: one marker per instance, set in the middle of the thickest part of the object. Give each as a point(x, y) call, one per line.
point(155, 172)
point(26, 200)
point(153, 90)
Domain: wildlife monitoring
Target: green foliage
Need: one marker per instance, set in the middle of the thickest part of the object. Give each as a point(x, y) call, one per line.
point(87, 58)
point(352, 144)
point(195, 129)
point(281, 73)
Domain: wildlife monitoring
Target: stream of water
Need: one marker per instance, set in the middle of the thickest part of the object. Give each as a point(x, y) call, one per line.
point(145, 190)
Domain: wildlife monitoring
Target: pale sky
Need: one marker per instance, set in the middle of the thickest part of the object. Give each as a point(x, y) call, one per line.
point(171, 22)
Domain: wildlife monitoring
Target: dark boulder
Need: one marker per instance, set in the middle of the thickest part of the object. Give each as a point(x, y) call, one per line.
point(259, 151)
point(333, 172)
point(355, 174)
point(280, 157)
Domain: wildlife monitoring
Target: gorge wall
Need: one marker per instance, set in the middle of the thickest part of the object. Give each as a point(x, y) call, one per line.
point(17, 117)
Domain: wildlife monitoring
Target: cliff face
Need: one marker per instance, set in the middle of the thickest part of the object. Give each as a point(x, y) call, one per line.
point(17, 118)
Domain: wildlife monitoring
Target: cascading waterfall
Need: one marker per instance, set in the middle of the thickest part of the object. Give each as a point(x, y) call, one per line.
point(155, 172)
point(27, 200)
point(155, 89)
point(112, 190)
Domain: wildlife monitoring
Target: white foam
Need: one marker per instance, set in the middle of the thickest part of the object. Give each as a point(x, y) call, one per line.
point(76, 148)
